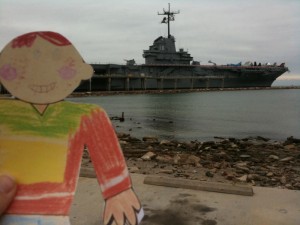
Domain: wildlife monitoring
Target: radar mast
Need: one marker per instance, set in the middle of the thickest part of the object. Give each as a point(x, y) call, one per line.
point(170, 17)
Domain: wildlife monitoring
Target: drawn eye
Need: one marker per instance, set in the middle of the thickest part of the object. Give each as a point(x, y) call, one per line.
point(37, 53)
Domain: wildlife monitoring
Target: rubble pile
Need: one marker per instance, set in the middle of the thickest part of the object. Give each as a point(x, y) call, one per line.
point(257, 161)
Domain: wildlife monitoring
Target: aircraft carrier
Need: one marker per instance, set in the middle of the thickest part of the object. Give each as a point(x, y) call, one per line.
point(167, 68)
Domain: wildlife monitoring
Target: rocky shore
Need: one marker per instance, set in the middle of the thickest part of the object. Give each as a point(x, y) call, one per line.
point(257, 161)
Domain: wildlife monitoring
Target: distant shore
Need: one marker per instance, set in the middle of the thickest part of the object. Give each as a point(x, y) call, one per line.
point(173, 91)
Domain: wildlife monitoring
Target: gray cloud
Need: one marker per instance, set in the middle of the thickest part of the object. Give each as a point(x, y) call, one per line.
point(110, 30)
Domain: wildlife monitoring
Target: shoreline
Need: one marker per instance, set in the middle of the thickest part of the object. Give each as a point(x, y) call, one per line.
point(255, 161)
point(165, 91)
point(174, 91)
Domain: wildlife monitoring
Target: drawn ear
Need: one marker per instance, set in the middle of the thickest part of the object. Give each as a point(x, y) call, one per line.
point(86, 71)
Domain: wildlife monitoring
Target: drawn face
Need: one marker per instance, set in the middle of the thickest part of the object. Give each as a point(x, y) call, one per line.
point(43, 73)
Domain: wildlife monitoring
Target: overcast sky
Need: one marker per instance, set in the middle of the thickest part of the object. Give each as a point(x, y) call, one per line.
point(109, 31)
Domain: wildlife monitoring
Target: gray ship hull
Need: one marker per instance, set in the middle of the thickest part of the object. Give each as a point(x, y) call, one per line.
point(112, 77)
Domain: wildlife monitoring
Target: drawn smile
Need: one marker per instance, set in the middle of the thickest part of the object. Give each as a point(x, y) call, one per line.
point(42, 88)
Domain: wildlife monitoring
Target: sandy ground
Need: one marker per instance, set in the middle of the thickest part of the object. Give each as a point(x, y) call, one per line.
point(177, 206)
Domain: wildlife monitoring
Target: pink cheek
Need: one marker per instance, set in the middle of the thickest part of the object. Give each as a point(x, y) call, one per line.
point(66, 72)
point(7, 72)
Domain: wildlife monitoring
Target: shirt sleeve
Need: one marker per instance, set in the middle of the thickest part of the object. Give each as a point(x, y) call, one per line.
point(105, 153)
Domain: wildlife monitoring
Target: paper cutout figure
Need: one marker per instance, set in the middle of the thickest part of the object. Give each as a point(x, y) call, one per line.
point(42, 137)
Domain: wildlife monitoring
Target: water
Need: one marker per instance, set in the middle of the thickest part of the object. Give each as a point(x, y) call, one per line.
point(294, 82)
point(201, 116)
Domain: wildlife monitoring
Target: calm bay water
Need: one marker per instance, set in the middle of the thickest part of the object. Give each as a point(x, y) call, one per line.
point(201, 116)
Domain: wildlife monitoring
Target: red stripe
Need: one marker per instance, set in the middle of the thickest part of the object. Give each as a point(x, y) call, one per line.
point(46, 206)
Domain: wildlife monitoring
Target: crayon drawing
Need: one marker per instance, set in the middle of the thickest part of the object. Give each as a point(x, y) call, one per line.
point(42, 136)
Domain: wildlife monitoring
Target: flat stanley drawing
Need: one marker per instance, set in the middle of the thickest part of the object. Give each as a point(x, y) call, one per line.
point(42, 136)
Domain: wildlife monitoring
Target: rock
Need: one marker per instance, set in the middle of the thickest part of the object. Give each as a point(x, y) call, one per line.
point(283, 180)
point(225, 165)
point(245, 156)
point(262, 173)
point(289, 186)
point(273, 157)
point(164, 159)
point(217, 165)
point(209, 174)
point(176, 159)
point(290, 147)
point(291, 140)
point(181, 159)
point(123, 142)
point(233, 145)
point(244, 169)
point(133, 169)
point(167, 143)
point(166, 171)
point(255, 177)
point(242, 164)
point(122, 135)
point(297, 170)
point(148, 156)
point(243, 178)
point(297, 185)
point(190, 145)
point(133, 140)
point(150, 139)
point(214, 170)
point(230, 176)
point(149, 148)
point(221, 155)
point(270, 174)
point(286, 159)
point(262, 138)
point(271, 167)
point(224, 173)
point(192, 159)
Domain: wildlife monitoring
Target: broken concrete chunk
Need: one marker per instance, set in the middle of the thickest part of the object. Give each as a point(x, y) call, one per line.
point(148, 156)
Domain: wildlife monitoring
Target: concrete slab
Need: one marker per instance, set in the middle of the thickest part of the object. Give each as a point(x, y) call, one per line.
point(199, 185)
point(177, 206)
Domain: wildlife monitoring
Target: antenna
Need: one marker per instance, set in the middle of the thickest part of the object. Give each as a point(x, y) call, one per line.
point(170, 17)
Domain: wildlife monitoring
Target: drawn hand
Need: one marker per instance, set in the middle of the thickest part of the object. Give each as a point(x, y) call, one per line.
point(8, 188)
point(122, 208)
